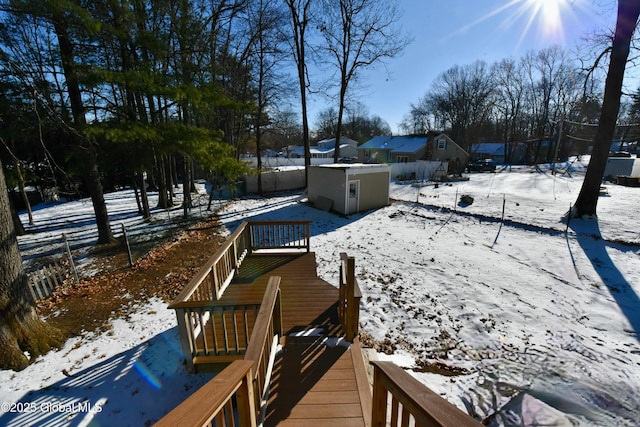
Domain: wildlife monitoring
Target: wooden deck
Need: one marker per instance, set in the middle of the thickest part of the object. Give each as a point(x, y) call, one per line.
point(242, 300)
point(308, 302)
point(313, 384)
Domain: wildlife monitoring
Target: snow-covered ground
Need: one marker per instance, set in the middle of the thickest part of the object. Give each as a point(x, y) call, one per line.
point(543, 325)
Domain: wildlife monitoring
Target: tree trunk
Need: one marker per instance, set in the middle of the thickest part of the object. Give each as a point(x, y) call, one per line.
point(146, 212)
point(88, 156)
point(628, 11)
point(134, 182)
point(20, 328)
point(23, 191)
point(186, 187)
point(17, 224)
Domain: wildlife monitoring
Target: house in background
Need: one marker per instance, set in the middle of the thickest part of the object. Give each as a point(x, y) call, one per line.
point(441, 148)
point(347, 189)
point(324, 149)
point(434, 146)
point(393, 149)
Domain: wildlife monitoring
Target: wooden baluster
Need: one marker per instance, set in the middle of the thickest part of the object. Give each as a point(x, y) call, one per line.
point(215, 333)
point(379, 405)
point(224, 331)
point(235, 329)
point(203, 331)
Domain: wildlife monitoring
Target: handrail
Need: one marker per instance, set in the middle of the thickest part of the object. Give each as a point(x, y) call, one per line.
point(246, 379)
point(264, 340)
point(230, 253)
point(349, 297)
point(214, 401)
point(410, 399)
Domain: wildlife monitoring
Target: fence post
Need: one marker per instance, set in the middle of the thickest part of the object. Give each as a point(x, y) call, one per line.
point(126, 241)
point(71, 264)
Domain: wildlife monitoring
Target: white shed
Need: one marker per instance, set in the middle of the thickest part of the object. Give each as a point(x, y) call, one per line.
point(349, 188)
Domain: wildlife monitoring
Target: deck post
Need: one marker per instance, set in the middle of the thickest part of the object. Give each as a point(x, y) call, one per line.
point(246, 401)
point(186, 333)
point(352, 298)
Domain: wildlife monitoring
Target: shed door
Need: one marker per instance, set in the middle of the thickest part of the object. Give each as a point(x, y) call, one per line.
point(354, 196)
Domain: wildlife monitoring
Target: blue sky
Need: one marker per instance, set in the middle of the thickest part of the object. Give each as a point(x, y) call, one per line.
point(459, 32)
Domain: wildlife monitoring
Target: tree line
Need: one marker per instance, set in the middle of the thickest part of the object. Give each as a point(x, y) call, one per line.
point(519, 100)
point(110, 92)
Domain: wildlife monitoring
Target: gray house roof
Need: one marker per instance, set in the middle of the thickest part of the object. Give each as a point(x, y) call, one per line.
point(331, 142)
point(397, 144)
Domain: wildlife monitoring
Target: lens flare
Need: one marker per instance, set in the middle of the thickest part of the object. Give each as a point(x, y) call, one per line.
point(541, 18)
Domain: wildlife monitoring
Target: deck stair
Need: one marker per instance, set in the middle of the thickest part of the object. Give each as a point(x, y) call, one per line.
point(289, 341)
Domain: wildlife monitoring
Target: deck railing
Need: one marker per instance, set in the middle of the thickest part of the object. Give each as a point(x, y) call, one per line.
point(280, 235)
point(214, 334)
point(215, 275)
point(411, 402)
point(349, 297)
point(264, 343)
point(213, 403)
point(244, 381)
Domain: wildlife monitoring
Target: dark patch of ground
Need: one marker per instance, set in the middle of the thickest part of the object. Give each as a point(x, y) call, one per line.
point(163, 272)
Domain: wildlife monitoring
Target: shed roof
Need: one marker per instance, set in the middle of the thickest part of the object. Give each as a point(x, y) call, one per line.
point(352, 167)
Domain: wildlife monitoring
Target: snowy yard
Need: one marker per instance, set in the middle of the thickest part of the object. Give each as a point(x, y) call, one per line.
point(540, 326)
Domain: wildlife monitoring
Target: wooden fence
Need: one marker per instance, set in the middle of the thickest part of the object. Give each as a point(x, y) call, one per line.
point(43, 281)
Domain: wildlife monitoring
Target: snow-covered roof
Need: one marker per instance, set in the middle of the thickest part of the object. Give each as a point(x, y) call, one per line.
point(331, 142)
point(372, 168)
point(317, 149)
point(398, 144)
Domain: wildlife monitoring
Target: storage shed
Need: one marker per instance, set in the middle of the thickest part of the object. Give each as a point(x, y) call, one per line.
point(349, 188)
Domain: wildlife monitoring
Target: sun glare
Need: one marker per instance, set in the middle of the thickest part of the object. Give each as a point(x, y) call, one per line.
point(541, 18)
point(549, 13)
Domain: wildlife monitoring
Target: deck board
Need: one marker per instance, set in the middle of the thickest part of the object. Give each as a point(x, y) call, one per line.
point(308, 302)
point(315, 384)
point(312, 384)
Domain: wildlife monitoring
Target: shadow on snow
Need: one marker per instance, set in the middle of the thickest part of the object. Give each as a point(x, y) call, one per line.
point(589, 238)
point(148, 380)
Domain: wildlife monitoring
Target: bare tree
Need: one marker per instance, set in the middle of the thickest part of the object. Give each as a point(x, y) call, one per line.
point(627, 20)
point(266, 20)
point(359, 34)
point(462, 99)
point(300, 18)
